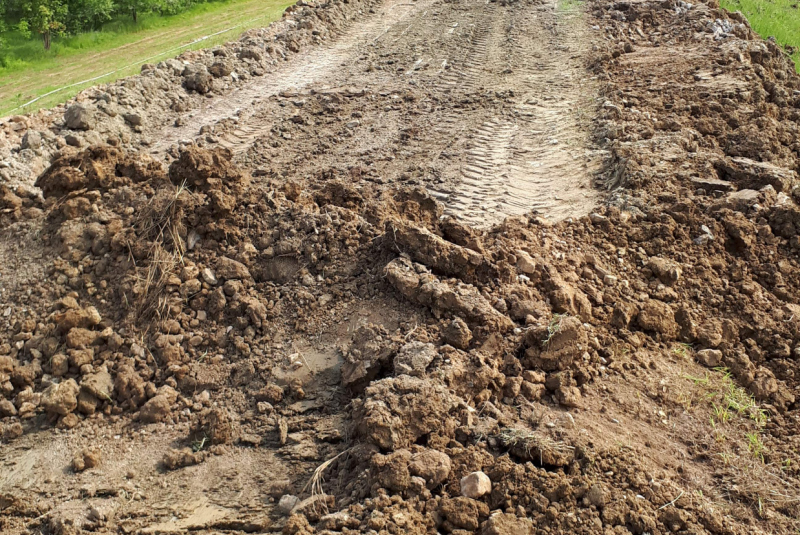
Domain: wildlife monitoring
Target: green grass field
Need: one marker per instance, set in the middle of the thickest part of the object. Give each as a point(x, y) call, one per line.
point(772, 18)
point(27, 71)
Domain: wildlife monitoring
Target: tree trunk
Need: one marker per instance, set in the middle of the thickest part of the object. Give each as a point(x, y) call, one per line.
point(133, 12)
point(46, 39)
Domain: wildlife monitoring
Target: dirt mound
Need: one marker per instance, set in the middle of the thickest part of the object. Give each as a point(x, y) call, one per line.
point(324, 352)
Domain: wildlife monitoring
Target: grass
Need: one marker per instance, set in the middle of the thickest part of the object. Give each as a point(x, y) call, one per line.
point(27, 71)
point(553, 327)
point(772, 18)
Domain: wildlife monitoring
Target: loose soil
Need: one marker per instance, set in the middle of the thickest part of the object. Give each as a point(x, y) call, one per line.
point(418, 267)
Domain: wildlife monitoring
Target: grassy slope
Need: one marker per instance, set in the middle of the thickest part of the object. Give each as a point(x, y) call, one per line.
point(772, 18)
point(29, 72)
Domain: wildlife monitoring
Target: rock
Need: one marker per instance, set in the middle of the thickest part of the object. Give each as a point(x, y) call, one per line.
point(86, 459)
point(156, 409)
point(61, 398)
point(229, 269)
point(413, 358)
point(73, 141)
point(209, 277)
point(79, 117)
point(750, 174)
point(475, 485)
point(457, 334)
point(666, 271)
point(287, 503)
point(525, 263)
point(432, 466)
point(712, 184)
point(31, 140)
point(99, 384)
point(657, 316)
point(7, 408)
point(710, 358)
point(133, 119)
point(507, 524)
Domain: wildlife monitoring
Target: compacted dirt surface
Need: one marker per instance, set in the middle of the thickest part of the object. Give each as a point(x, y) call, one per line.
point(412, 267)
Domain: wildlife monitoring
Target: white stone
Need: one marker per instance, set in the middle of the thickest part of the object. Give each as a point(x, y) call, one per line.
point(475, 485)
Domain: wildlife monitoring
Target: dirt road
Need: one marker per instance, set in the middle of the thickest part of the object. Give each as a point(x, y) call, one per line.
point(521, 144)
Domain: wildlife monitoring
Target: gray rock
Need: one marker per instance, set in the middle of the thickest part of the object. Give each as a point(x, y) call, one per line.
point(750, 174)
point(287, 503)
point(31, 140)
point(79, 117)
point(73, 140)
point(133, 118)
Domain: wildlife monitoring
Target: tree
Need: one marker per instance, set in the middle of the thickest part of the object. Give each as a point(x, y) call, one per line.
point(88, 14)
point(136, 7)
point(45, 17)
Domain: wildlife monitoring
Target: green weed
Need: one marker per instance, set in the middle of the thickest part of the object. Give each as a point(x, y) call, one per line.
point(773, 18)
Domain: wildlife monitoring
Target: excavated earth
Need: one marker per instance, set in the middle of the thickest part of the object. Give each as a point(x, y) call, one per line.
point(399, 267)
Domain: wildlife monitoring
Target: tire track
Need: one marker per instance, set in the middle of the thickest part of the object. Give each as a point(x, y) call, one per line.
point(538, 157)
point(319, 63)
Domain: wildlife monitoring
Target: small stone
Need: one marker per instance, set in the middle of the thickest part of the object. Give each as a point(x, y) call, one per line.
point(209, 277)
point(79, 117)
point(710, 358)
point(230, 269)
point(287, 503)
point(7, 408)
point(475, 485)
point(133, 118)
point(31, 140)
point(525, 263)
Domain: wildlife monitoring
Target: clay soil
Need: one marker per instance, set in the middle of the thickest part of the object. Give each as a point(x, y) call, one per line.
point(412, 267)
